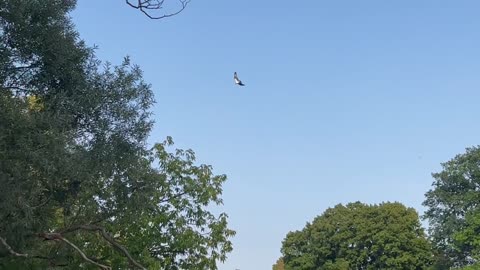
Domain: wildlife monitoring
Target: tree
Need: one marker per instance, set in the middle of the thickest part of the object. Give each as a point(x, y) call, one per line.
point(467, 238)
point(279, 265)
point(80, 187)
point(147, 7)
point(359, 236)
point(452, 207)
point(471, 267)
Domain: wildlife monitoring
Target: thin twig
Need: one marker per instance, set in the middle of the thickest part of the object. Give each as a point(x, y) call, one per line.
point(147, 5)
point(175, 196)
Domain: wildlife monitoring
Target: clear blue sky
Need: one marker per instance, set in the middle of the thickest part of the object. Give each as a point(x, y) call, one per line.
point(345, 100)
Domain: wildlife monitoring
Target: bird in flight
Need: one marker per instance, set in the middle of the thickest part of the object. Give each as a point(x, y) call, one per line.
point(237, 80)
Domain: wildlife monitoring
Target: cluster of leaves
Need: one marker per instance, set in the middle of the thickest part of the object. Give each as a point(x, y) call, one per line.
point(359, 236)
point(79, 185)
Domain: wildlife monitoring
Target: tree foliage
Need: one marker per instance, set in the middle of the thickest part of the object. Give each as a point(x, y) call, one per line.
point(470, 267)
point(359, 236)
point(279, 265)
point(453, 207)
point(80, 187)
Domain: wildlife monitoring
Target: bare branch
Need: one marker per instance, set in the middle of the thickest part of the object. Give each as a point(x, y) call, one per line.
point(147, 6)
point(59, 237)
point(112, 241)
point(130, 4)
point(83, 254)
point(15, 88)
point(25, 255)
point(108, 238)
point(9, 248)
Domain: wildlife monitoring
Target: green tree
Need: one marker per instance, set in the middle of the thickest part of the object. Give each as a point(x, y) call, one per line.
point(359, 236)
point(80, 187)
point(467, 239)
point(452, 207)
point(279, 265)
point(470, 267)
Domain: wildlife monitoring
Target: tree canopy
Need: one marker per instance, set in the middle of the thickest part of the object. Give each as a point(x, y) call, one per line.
point(359, 236)
point(279, 265)
point(80, 186)
point(453, 208)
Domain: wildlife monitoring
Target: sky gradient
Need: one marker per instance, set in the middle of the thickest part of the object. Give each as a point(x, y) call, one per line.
point(344, 100)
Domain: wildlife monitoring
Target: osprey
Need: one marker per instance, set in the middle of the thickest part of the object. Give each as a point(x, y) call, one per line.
point(237, 80)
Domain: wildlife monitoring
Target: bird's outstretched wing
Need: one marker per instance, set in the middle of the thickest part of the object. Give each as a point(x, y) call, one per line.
point(237, 80)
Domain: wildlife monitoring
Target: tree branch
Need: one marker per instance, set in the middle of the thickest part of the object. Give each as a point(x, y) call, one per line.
point(11, 87)
point(108, 238)
point(148, 5)
point(59, 237)
point(112, 241)
point(25, 255)
point(175, 196)
point(83, 254)
point(10, 249)
point(32, 65)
